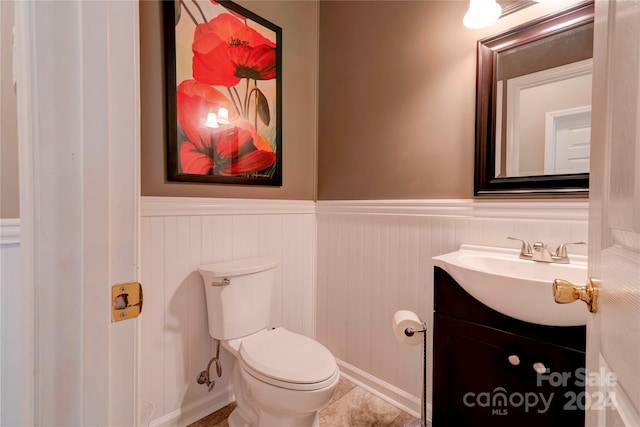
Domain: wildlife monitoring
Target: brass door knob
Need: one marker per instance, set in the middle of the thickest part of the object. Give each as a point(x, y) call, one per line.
point(565, 292)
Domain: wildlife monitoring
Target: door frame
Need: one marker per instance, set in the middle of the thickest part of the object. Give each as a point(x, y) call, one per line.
point(79, 144)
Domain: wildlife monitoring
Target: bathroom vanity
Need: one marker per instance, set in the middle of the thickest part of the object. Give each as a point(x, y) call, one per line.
point(490, 369)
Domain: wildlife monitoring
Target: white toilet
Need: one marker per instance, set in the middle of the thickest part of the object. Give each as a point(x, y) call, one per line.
point(280, 378)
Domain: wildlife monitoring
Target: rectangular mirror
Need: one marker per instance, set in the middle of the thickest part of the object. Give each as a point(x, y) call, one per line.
point(533, 116)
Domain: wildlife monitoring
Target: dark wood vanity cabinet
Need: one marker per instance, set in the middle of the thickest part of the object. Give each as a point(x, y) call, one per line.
point(484, 366)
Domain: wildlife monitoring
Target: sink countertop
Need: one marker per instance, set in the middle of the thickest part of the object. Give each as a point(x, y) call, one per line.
point(518, 288)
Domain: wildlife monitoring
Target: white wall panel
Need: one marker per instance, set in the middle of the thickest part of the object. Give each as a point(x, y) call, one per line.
point(10, 357)
point(175, 341)
point(374, 257)
point(370, 259)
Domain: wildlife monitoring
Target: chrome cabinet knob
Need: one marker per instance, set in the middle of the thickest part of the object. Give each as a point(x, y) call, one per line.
point(539, 367)
point(514, 359)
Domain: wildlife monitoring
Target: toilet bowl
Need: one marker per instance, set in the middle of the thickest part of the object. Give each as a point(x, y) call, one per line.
point(280, 378)
point(284, 376)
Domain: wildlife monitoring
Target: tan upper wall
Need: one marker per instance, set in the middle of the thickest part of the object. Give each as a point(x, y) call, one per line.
point(298, 20)
point(9, 193)
point(396, 111)
point(397, 98)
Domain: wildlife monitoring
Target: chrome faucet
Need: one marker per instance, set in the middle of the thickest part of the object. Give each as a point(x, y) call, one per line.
point(560, 255)
point(539, 252)
point(525, 251)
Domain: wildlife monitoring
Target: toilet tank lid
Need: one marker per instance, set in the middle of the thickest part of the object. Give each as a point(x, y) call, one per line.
point(238, 267)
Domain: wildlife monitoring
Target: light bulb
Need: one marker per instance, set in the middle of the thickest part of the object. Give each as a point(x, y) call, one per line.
point(223, 116)
point(211, 121)
point(482, 13)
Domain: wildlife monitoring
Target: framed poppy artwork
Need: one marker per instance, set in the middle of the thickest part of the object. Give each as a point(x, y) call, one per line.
point(223, 91)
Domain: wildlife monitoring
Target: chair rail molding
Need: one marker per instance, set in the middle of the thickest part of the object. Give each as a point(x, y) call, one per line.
point(194, 206)
point(568, 209)
point(9, 231)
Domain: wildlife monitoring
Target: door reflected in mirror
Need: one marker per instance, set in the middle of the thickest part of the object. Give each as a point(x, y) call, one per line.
point(543, 106)
point(533, 114)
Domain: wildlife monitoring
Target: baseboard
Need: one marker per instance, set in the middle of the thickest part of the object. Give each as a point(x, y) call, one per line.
point(200, 409)
point(197, 410)
point(398, 398)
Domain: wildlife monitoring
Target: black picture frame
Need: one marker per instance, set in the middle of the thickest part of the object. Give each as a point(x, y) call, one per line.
point(220, 55)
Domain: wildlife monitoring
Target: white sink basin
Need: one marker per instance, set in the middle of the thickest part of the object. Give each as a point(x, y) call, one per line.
point(519, 288)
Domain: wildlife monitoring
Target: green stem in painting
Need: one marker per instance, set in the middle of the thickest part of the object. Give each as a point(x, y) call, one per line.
point(193, 18)
point(242, 112)
point(255, 116)
point(246, 101)
point(233, 99)
point(204, 18)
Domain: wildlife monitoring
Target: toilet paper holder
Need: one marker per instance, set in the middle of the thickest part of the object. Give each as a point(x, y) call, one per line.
point(422, 422)
point(411, 332)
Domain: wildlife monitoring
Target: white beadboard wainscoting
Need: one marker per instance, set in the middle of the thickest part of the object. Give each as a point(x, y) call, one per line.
point(374, 257)
point(10, 356)
point(178, 235)
point(346, 267)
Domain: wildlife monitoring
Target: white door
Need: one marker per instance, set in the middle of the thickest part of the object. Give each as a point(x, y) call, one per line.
point(78, 116)
point(613, 334)
point(567, 143)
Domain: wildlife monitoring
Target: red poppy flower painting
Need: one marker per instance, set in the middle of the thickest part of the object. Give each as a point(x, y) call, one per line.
point(223, 94)
point(225, 51)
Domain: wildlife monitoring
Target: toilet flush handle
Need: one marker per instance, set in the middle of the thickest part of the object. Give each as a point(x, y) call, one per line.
point(221, 282)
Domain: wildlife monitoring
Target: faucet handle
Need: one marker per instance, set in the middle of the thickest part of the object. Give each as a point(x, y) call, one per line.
point(561, 251)
point(525, 251)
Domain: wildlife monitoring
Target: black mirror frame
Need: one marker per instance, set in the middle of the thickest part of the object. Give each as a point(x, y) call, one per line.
point(486, 184)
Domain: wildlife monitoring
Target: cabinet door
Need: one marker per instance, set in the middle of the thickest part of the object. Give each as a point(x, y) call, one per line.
point(479, 372)
point(560, 391)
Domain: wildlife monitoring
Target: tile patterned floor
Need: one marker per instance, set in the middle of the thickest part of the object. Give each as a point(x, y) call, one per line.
point(350, 406)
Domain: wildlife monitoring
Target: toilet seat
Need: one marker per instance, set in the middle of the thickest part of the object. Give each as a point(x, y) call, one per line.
point(288, 360)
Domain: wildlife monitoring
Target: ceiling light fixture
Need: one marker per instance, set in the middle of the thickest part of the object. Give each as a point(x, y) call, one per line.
point(481, 13)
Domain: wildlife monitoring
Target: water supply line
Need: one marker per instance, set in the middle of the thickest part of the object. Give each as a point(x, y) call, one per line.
point(205, 377)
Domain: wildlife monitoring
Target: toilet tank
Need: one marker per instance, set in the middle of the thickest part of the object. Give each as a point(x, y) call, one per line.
point(238, 296)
